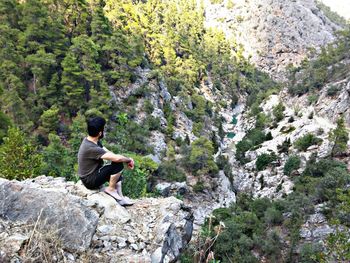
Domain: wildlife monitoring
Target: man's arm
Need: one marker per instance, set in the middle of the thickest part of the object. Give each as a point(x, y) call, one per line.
point(117, 158)
point(104, 148)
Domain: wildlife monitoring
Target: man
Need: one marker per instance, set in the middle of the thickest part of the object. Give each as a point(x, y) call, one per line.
point(91, 170)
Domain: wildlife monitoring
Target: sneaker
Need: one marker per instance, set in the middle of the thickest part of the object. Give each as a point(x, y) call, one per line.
point(125, 202)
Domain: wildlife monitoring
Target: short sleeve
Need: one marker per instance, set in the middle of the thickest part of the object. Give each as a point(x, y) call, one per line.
point(96, 152)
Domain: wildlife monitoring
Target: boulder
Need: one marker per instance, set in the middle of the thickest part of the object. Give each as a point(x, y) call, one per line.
point(75, 221)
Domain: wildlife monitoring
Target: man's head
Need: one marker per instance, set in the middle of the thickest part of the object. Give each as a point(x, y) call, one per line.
point(96, 126)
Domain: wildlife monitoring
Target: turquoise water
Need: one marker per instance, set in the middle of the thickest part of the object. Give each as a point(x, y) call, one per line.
point(234, 120)
point(231, 135)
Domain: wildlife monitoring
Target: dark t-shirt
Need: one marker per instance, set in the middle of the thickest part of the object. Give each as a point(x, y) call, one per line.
point(89, 158)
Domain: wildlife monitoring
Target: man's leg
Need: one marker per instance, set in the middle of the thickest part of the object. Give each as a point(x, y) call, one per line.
point(119, 189)
point(111, 189)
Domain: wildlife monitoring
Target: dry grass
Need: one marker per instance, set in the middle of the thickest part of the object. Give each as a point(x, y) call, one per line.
point(44, 244)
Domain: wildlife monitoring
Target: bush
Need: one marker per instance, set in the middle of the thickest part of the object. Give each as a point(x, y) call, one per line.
point(292, 164)
point(306, 141)
point(278, 112)
point(19, 159)
point(284, 147)
point(152, 123)
point(340, 137)
point(135, 181)
point(170, 171)
point(311, 253)
point(273, 216)
point(333, 90)
point(200, 159)
point(198, 187)
point(148, 106)
point(264, 160)
point(312, 99)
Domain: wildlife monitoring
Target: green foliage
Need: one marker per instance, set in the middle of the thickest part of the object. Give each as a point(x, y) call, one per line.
point(171, 172)
point(19, 159)
point(253, 138)
point(264, 160)
point(340, 137)
point(306, 141)
point(135, 181)
point(312, 98)
point(311, 253)
point(284, 147)
point(200, 159)
point(49, 120)
point(278, 112)
point(5, 123)
point(333, 90)
point(313, 75)
point(333, 16)
point(292, 164)
point(216, 1)
point(57, 161)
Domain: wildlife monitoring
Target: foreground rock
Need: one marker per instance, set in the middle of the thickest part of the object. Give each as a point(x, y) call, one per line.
point(88, 225)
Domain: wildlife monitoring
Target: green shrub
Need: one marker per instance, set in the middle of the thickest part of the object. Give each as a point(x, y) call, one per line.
point(312, 99)
point(216, 1)
point(284, 147)
point(333, 90)
point(200, 159)
point(135, 181)
point(19, 158)
point(198, 187)
point(292, 164)
point(306, 141)
point(264, 160)
point(152, 123)
point(171, 172)
point(148, 106)
point(311, 253)
point(340, 137)
point(278, 112)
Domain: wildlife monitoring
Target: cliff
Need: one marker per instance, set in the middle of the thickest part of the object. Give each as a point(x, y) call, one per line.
point(49, 218)
point(274, 33)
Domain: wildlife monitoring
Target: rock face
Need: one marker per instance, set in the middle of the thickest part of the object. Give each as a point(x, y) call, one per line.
point(91, 223)
point(275, 32)
point(76, 223)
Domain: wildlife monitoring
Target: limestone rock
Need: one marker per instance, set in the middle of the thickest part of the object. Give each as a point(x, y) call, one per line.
point(76, 222)
point(275, 33)
point(112, 210)
point(91, 222)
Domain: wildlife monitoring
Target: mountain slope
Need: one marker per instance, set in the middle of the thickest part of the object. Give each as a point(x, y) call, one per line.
point(274, 33)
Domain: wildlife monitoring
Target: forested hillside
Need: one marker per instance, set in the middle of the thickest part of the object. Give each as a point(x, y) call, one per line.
point(200, 120)
point(291, 172)
point(64, 61)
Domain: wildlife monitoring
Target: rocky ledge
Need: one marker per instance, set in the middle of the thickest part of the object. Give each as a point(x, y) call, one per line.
point(49, 217)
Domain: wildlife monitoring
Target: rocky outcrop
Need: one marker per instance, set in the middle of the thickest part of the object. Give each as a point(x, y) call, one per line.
point(90, 223)
point(274, 33)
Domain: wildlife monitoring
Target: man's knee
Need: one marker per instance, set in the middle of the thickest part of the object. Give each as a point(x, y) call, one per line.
point(117, 167)
point(116, 175)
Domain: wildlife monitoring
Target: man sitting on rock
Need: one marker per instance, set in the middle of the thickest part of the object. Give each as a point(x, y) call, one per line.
point(91, 170)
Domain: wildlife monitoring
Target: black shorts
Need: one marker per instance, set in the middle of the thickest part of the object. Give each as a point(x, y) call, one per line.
point(95, 180)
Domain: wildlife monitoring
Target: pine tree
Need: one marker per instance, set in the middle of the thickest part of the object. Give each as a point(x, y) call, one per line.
point(340, 137)
point(81, 74)
point(201, 159)
point(57, 161)
point(49, 121)
point(19, 159)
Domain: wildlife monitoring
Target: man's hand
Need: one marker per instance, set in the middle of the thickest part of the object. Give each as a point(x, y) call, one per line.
point(131, 164)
